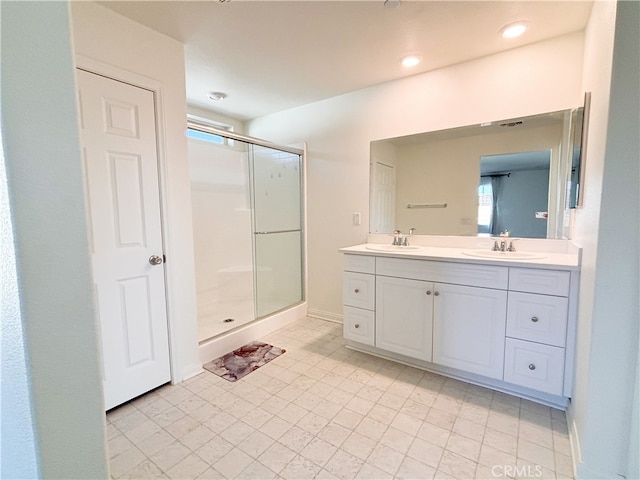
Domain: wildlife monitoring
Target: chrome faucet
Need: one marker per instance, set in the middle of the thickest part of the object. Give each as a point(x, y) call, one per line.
point(405, 241)
point(397, 237)
point(504, 245)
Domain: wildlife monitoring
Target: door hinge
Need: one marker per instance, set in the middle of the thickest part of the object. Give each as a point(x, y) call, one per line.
point(164, 258)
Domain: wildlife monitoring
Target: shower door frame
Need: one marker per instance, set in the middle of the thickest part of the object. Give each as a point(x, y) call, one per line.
point(208, 128)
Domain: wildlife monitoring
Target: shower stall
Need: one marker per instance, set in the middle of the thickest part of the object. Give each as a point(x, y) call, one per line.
point(247, 205)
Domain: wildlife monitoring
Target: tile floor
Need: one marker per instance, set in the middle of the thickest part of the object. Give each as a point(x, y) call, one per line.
point(324, 411)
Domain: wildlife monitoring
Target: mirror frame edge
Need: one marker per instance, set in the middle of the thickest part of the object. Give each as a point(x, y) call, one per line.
point(583, 148)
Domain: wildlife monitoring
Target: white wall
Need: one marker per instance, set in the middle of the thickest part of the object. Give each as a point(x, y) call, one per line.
point(538, 78)
point(522, 194)
point(140, 55)
point(207, 115)
point(433, 173)
point(608, 229)
point(46, 193)
point(17, 445)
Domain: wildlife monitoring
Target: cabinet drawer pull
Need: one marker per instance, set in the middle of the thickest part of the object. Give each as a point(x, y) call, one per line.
point(534, 319)
point(357, 325)
point(532, 366)
point(357, 290)
point(428, 292)
point(436, 293)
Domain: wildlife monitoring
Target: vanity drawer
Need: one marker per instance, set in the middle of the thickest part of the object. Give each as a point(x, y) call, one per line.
point(486, 276)
point(548, 282)
point(533, 365)
point(360, 263)
point(539, 318)
point(358, 325)
point(359, 290)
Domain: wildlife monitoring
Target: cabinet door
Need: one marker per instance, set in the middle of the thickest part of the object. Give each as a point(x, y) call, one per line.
point(469, 328)
point(404, 320)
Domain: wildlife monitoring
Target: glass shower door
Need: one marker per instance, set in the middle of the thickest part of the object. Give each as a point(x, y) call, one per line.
point(277, 227)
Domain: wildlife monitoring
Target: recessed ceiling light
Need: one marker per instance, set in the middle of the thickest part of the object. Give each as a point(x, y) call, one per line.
point(513, 30)
point(217, 96)
point(411, 61)
point(391, 3)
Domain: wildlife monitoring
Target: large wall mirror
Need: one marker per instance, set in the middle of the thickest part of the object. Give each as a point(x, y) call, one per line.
point(520, 175)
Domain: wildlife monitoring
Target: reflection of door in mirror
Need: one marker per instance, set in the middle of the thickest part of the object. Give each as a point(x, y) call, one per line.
point(514, 194)
point(382, 189)
point(384, 193)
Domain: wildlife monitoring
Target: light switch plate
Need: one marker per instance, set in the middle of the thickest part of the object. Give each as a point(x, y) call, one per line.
point(356, 218)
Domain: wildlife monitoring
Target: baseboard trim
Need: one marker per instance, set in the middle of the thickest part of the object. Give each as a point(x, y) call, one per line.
point(475, 379)
point(322, 315)
point(191, 371)
point(574, 440)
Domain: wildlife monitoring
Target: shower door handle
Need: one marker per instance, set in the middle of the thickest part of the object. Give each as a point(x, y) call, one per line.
point(277, 231)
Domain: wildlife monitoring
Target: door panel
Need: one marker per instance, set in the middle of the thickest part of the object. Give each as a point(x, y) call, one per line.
point(119, 150)
point(469, 329)
point(404, 316)
point(384, 195)
point(276, 178)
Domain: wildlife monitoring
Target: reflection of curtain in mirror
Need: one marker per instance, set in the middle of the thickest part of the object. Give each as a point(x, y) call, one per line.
point(496, 184)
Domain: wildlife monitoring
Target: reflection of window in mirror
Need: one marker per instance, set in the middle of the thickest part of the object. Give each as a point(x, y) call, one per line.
point(485, 206)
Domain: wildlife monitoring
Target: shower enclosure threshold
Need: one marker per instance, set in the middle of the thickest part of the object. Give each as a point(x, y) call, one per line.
point(236, 337)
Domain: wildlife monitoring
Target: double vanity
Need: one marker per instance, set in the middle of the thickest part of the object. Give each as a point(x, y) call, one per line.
point(504, 320)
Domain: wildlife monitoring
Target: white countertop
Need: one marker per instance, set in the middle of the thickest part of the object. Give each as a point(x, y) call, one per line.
point(548, 260)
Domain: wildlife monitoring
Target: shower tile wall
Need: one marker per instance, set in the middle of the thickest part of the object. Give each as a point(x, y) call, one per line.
point(222, 237)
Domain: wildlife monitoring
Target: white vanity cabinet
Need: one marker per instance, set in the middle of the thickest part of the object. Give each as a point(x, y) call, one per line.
point(503, 326)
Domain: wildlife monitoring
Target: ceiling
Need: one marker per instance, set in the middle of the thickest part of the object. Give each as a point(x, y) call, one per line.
point(513, 162)
point(269, 56)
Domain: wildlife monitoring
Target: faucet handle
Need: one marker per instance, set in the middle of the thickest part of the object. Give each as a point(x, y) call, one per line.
point(405, 240)
point(505, 233)
point(397, 237)
point(512, 247)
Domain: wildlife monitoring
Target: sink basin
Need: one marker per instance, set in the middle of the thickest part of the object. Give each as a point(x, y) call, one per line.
point(392, 248)
point(503, 255)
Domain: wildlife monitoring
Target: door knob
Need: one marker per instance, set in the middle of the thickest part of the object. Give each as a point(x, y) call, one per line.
point(155, 260)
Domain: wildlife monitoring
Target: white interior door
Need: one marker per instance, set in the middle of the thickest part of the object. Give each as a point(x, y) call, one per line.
point(384, 198)
point(118, 140)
